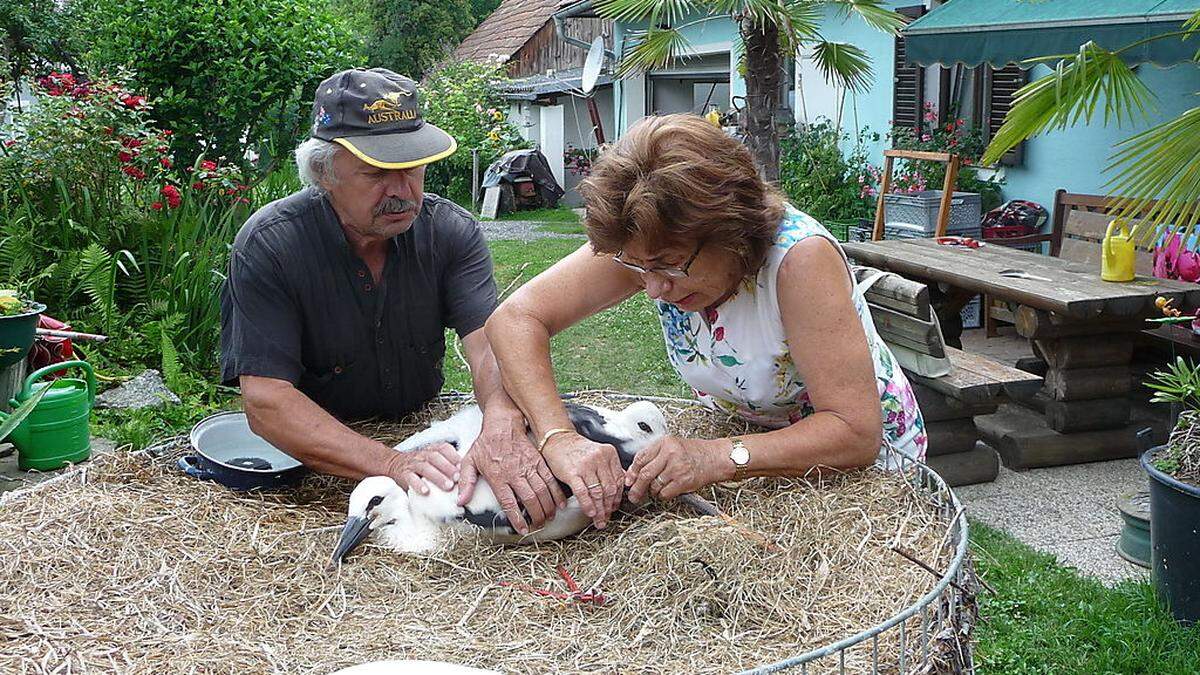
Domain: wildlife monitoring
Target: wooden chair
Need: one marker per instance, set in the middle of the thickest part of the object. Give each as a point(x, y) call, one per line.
point(1077, 226)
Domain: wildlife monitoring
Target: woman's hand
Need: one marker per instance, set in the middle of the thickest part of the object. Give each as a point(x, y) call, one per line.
point(436, 463)
point(593, 471)
point(515, 471)
point(674, 466)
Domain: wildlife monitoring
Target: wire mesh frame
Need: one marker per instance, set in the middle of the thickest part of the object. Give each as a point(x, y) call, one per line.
point(938, 609)
point(919, 476)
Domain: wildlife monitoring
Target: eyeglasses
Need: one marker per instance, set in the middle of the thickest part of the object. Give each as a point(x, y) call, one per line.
point(673, 272)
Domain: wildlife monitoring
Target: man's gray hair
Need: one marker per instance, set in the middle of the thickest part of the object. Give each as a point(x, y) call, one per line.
point(314, 160)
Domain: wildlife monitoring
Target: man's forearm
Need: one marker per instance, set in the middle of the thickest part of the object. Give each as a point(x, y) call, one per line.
point(486, 380)
point(289, 420)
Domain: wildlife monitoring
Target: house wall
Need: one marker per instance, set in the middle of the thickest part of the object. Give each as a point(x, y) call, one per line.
point(1073, 159)
point(545, 50)
point(710, 38)
point(578, 131)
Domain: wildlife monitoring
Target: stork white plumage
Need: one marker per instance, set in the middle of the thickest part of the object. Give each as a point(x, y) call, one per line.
point(408, 521)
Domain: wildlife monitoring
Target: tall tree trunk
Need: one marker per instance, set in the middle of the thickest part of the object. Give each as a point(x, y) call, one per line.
point(764, 63)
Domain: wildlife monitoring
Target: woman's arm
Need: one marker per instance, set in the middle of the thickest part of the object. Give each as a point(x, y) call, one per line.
point(828, 346)
point(576, 287)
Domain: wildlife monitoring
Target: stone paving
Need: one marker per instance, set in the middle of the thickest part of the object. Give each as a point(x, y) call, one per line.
point(12, 478)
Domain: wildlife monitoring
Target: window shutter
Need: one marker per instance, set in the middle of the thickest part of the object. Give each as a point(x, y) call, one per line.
point(1003, 84)
point(908, 82)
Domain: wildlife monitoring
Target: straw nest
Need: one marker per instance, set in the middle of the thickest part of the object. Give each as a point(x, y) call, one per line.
point(131, 567)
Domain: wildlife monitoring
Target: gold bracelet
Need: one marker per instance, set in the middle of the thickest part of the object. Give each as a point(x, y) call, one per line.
point(551, 434)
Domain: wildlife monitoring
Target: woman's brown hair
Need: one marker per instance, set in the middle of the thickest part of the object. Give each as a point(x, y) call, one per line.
point(679, 180)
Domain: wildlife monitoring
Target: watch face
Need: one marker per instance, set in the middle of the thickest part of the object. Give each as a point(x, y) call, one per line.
point(740, 455)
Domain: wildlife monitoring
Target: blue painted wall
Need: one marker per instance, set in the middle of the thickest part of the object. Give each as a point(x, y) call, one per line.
point(1073, 159)
point(700, 36)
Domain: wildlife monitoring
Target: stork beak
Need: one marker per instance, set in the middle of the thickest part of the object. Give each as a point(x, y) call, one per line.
point(354, 533)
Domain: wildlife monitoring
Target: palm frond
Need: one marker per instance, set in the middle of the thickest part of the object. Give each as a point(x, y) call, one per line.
point(1161, 163)
point(843, 64)
point(653, 48)
point(654, 11)
point(1192, 28)
point(1093, 78)
point(801, 23)
point(874, 12)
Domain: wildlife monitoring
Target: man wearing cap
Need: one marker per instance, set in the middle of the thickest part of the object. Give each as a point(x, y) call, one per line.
point(338, 298)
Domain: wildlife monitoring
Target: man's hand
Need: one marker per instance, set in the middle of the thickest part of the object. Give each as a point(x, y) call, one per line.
point(673, 466)
point(514, 470)
point(437, 463)
point(593, 471)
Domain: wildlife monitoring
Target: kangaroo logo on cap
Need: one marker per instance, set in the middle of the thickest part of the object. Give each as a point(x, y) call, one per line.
point(388, 108)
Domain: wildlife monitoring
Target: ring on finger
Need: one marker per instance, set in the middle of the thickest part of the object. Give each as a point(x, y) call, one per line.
point(591, 486)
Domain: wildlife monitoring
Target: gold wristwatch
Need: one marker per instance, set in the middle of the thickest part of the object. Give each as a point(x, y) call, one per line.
point(740, 456)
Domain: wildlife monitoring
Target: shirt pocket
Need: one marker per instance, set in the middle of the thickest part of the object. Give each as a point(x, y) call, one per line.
point(332, 387)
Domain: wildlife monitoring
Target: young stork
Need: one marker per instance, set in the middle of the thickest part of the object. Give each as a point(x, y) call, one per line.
point(409, 521)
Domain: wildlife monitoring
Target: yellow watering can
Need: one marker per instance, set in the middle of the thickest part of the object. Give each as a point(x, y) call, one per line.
point(1118, 256)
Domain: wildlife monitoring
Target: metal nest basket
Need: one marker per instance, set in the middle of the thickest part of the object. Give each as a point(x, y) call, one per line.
point(934, 632)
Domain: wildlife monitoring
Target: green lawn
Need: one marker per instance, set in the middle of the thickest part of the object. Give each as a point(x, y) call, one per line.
point(561, 214)
point(621, 348)
point(1045, 618)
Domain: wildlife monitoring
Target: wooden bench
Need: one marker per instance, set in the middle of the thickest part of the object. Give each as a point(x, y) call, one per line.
point(975, 384)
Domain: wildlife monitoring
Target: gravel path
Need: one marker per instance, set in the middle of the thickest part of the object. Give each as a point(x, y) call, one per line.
point(521, 230)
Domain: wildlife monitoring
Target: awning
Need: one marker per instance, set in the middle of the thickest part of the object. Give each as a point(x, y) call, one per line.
point(1000, 32)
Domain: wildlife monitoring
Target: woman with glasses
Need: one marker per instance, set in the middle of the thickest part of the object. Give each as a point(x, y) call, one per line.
point(759, 312)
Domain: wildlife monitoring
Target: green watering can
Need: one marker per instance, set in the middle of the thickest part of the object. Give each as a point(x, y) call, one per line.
point(56, 432)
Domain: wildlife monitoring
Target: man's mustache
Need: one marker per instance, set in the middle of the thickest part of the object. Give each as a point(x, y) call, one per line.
point(394, 205)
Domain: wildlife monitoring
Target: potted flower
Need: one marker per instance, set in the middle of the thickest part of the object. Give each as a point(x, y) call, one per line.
point(1174, 471)
point(18, 319)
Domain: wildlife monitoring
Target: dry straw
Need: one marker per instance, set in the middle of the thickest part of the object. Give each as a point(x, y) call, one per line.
point(134, 568)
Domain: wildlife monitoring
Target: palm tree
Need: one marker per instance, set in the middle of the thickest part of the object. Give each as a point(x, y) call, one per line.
point(1155, 173)
point(770, 31)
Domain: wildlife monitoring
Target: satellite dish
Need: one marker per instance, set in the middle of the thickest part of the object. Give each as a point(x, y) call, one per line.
point(592, 65)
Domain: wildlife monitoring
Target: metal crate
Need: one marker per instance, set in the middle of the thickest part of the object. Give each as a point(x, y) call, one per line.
point(920, 210)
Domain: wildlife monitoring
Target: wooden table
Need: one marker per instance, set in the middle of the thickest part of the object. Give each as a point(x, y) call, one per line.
point(1083, 327)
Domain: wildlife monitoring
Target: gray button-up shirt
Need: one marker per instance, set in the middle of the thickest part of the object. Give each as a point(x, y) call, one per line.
point(299, 305)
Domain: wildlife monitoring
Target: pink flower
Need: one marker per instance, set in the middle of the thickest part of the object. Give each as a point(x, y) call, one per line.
point(208, 165)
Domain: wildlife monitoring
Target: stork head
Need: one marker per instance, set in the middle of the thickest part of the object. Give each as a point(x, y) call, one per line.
point(643, 423)
point(375, 503)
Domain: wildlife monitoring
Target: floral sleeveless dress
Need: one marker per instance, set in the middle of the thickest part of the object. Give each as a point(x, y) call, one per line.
point(735, 356)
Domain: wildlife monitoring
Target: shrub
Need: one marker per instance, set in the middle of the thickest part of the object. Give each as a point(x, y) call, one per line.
point(819, 179)
point(955, 136)
point(98, 222)
point(463, 99)
point(228, 76)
